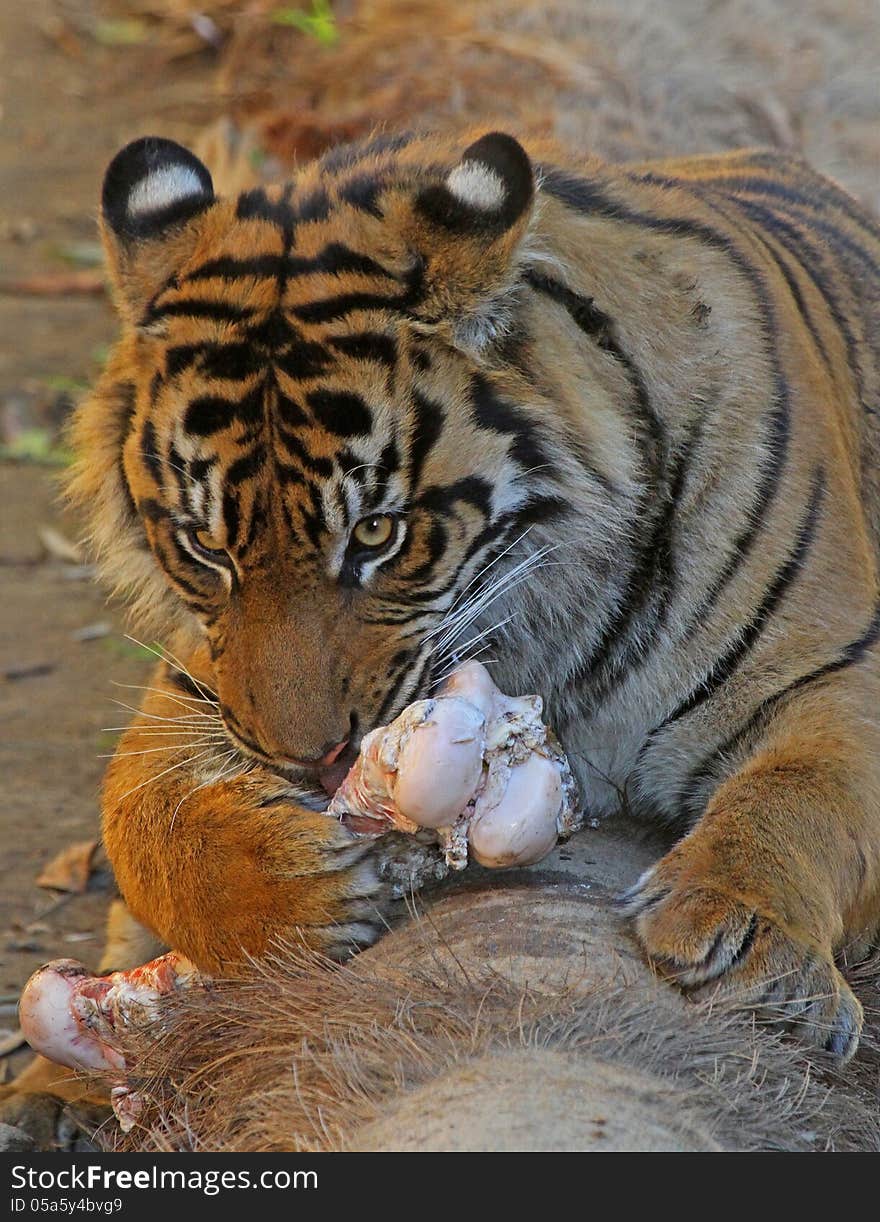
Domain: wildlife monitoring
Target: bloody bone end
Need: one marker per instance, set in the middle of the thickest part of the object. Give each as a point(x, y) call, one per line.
point(72, 1017)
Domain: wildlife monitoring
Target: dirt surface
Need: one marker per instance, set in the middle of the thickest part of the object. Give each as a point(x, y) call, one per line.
point(628, 78)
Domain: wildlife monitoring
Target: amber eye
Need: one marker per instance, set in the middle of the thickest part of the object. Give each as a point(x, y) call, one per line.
point(375, 531)
point(204, 541)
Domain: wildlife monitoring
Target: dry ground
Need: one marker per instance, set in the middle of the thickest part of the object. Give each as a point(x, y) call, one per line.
point(78, 78)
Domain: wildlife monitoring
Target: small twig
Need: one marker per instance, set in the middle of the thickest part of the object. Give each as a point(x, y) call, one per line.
point(55, 284)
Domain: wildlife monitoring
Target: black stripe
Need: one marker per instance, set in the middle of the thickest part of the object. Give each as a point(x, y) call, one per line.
point(472, 489)
point(227, 267)
point(182, 559)
point(496, 414)
point(539, 510)
point(788, 236)
point(389, 459)
point(258, 520)
point(811, 259)
point(771, 477)
point(199, 467)
point(288, 474)
point(313, 520)
point(352, 466)
point(368, 346)
point(428, 419)
point(599, 327)
point(195, 307)
point(340, 412)
point(362, 192)
point(289, 411)
point(232, 361)
point(794, 288)
point(301, 360)
point(346, 156)
point(274, 332)
point(181, 356)
point(231, 516)
point(123, 399)
point(152, 510)
point(322, 467)
point(256, 205)
point(588, 197)
point(333, 308)
point(313, 206)
point(183, 683)
point(435, 547)
point(655, 575)
point(822, 192)
point(209, 414)
point(388, 708)
point(335, 259)
point(150, 453)
point(734, 655)
point(247, 466)
point(179, 471)
point(652, 560)
point(852, 655)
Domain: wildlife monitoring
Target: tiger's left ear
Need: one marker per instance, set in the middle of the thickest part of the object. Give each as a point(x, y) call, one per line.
point(468, 228)
point(154, 193)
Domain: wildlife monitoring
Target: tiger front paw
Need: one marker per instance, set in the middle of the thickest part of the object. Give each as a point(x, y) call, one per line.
point(717, 945)
point(245, 866)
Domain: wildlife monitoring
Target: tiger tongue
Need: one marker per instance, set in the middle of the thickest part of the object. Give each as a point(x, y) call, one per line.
point(333, 776)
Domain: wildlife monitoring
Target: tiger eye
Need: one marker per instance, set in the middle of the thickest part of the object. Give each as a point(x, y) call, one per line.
point(207, 541)
point(374, 531)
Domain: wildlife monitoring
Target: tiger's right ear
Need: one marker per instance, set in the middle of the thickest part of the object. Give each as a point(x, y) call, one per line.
point(153, 191)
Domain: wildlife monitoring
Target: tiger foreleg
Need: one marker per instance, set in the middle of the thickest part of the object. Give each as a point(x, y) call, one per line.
point(221, 860)
point(778, 877)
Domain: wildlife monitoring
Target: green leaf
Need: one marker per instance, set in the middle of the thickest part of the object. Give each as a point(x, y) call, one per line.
point(80, 254)
point(35, 445)
point(122, 32)
point(124, 648)
point(319, 24)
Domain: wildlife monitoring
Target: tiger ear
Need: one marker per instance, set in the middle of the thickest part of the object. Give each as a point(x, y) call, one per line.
point(469, 228)
point(152, 190)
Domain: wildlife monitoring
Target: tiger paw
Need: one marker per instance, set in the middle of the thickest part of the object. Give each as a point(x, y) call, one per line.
point(718, 947)
point(248, 865)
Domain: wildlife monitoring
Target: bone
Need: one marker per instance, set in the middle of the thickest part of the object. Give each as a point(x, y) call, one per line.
point(72, 1017)
point(476, 766)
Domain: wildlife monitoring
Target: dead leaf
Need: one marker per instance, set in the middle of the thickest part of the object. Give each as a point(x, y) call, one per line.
point(71, 869)
point(11, 1043)
point(59, 547)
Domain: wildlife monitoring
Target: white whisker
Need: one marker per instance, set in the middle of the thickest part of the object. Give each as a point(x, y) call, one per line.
point(173, 768)
point(169, 659)
point(183, 701)
point(153, 750)
point(190, 719)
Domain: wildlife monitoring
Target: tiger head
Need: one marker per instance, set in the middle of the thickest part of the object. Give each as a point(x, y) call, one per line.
point(310, 437)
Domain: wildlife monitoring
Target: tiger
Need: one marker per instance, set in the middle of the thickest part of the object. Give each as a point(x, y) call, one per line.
point(433, 395)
